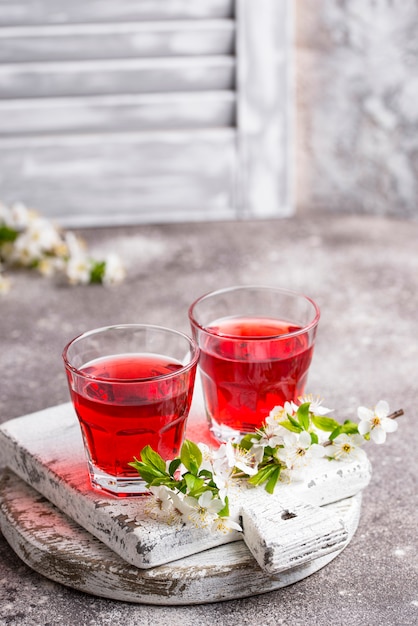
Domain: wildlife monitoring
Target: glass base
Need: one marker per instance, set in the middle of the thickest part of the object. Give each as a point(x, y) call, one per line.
point(224, 433)
point(122, 487)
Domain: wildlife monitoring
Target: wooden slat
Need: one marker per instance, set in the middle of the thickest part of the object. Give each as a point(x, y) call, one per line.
point(116, 76)
point(116, 41)
point(264, 116)
point(125, 178)
point(117, 113)
point(20, 12)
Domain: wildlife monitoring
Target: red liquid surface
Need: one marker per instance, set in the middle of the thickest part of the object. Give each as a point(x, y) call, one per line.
point(120, 417)
point(243, 379)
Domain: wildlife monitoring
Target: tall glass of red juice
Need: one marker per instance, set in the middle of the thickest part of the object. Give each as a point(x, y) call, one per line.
point(256, 346)
point(131, 386)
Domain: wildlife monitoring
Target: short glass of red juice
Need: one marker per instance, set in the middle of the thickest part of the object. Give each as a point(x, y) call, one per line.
point(131, 386)
point(256, 346)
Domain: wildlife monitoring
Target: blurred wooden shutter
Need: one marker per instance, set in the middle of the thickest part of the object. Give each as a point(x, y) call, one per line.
point(144, 110)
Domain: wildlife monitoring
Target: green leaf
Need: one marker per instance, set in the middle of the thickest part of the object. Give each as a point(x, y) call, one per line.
point(205, 474)
point(324, 423)
point(335, 433)
point(191, 456)
point(195, 485)
point(291, 425)
point(303, 415)
point(153, 459)
point(174, 465)
point(263, 474)
point(349, 428)
point(246, 442)
point(149, 474)
point(269, 451)
point(97, 271)
point(7, 234)
point(225, 511)
point(314, 438)
point(272, 481)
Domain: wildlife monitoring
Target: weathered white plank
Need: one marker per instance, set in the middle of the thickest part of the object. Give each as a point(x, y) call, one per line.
point(264, 69)
point(45, 449)
point(40, 80)
point(56, 547)
point(124, 112)
point(116, 41)
point(79, 11)
point(122, 178)
point(290, 533)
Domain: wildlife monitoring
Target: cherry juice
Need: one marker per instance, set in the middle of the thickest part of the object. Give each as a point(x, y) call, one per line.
point(250, 365)
point(129, 403)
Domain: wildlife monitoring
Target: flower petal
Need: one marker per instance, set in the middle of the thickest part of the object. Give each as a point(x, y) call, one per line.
point(305, 439)
point(364, 413)
point(364, 427)
point(389, 425)
point(378, 435)
point(382, 409)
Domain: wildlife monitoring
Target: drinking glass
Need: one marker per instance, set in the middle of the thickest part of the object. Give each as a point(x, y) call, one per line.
point(131, 386)
point(256, 346)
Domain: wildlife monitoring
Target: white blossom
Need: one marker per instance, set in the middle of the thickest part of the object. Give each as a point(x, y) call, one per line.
point(271, 435)
point(224, 525)
point(346, 447)
point(36, 242)
point(39, 237)
point(114, 272)
point(298, 450)
point(162, 496)
point(78, 270)
point(376, 422)
point(18, 216)
point(201, 511)
point(159, 504)
point(280, 413)
point(245, 460)
point(315, 404)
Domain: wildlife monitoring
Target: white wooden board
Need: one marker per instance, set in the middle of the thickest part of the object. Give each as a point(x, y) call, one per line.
point(53, 545)
point(45, 449)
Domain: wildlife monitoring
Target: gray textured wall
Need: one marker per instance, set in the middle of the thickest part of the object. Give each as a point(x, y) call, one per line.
point(357, 106)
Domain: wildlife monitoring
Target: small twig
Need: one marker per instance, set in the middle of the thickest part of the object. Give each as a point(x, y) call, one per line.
point(392, 416)
point(395, 414)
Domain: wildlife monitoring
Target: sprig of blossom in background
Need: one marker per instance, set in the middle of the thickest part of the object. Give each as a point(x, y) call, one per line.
point(29, 240)
point(196, 486)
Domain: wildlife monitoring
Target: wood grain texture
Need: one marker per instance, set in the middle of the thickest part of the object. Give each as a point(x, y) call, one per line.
point(23, 12)
point(287, 532)
point(79, 78)
point(121, 178)
point(45, 449)
point(117, 113)
point(102, 67)
point(117, 41)
point(56, 547)
point(264, 35)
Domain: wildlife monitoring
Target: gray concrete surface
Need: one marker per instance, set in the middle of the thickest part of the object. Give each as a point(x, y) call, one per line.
point(363, 272)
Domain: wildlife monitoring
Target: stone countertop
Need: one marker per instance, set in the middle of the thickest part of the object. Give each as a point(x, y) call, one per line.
point(363, 273)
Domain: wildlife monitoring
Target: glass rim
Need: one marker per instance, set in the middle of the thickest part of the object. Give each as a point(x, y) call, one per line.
point(195, 351)
point(306, 328)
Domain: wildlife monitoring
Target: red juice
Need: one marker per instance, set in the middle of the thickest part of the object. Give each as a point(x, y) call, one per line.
point(247, 369)
point(132, 409)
